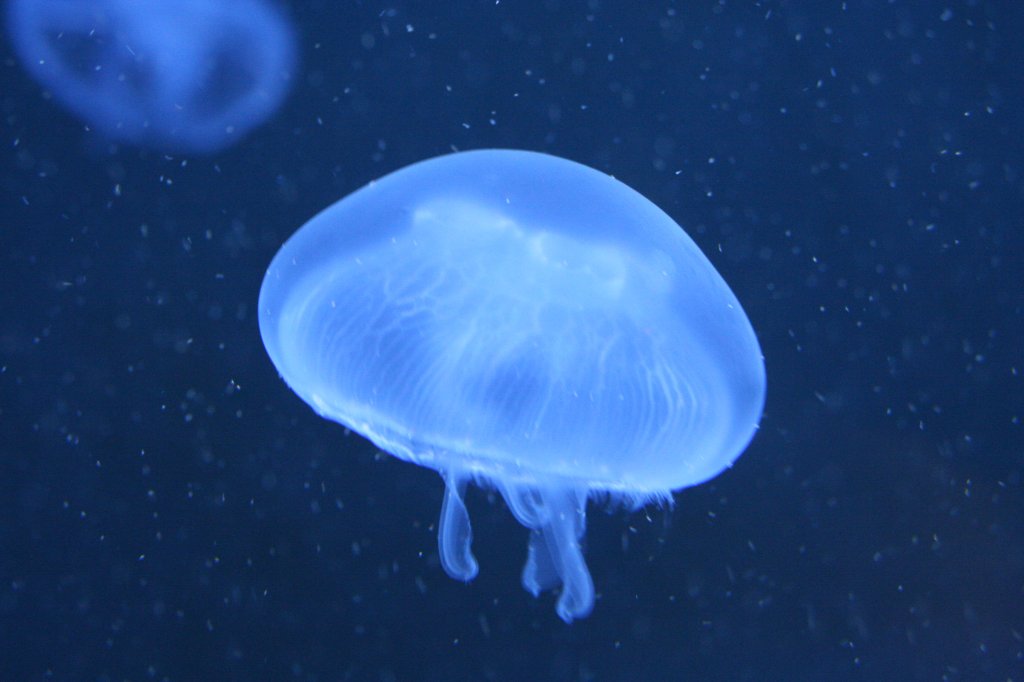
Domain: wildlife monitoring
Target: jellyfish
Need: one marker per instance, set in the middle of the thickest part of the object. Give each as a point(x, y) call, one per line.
point(524, 322)
point(177, 75)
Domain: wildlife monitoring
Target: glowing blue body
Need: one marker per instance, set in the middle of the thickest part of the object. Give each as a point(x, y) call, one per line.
point(523, 321)
point(179, 75)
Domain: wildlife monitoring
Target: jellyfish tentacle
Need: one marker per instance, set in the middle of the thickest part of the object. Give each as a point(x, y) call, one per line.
point(454, 533)
point(556, 518)
point(539, 572)
point(562, 532)
point(524, 502)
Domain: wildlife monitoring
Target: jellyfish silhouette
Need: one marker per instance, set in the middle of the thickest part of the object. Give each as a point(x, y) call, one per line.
point(177, 75)
point(524, 322)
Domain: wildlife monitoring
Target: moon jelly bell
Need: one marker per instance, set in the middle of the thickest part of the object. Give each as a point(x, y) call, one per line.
point(524, 322)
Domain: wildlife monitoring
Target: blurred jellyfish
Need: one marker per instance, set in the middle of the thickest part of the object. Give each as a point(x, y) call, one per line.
point(190, 76)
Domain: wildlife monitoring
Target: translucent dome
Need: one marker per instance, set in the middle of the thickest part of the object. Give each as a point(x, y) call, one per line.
point(524, 321)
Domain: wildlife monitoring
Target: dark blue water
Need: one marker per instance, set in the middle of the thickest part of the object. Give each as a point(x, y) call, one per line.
point(169, 510)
